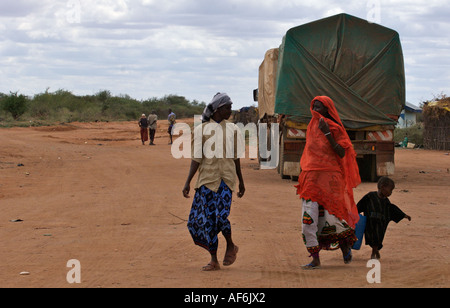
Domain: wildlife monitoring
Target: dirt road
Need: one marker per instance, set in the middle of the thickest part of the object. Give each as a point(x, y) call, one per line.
point(92, 192)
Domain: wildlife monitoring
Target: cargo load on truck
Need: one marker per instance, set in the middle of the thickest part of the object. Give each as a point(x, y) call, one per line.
point(359, 65)
point(265, 94)
point(267, 83)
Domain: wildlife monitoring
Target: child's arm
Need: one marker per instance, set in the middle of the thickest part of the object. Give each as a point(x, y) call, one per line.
point(362, 203)
point(397, 214)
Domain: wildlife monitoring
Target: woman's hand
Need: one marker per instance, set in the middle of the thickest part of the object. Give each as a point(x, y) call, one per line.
point(323, 126)
point(186, 190)
point(192, 170)
point(241, 192)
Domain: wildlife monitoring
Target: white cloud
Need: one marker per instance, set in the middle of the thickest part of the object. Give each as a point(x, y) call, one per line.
point(148, 48)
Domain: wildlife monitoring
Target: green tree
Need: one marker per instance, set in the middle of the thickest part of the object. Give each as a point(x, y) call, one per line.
point(103, 97)
point(15, 104)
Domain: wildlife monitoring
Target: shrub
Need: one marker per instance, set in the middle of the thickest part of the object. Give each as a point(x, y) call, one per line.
point(15, 104)
point(63, 106)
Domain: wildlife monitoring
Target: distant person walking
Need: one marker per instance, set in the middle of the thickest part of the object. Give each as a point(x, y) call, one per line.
point(215, 183)
point(152, 119)
point(171, 118)
point(143, 124)
point(329, 174)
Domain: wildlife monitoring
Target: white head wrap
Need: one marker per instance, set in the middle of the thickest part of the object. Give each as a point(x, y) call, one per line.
point(219, 100)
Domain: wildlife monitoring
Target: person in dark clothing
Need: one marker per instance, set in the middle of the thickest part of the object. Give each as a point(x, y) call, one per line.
point(379, 211)
point(152, 119)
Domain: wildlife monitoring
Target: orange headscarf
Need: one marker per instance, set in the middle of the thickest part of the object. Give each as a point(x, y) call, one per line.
point(326, 178)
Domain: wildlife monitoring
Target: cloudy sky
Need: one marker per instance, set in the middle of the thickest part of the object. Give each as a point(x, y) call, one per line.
point(152, 48)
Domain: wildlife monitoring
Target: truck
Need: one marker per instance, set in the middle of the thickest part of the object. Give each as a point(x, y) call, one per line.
point(359, 65)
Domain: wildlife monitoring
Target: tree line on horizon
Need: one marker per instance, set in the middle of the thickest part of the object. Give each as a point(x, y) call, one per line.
point(64, 107)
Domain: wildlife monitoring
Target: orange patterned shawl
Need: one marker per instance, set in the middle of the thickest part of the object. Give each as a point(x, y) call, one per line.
point(325, 177)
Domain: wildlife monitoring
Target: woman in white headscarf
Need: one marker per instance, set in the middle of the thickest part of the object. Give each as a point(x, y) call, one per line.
point(219, 100)
point(143, 124)
point(215, 183)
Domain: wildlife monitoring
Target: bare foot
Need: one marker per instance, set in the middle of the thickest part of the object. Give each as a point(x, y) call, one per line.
point(375, 254)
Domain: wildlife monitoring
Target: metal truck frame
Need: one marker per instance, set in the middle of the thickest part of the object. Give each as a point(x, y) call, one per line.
point(374, 147)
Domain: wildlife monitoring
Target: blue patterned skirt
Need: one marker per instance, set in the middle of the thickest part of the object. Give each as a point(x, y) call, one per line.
point(209, 216)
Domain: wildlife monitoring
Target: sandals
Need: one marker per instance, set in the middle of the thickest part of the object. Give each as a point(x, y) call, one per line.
point(230, 257)
point(310, 266)
point(211, 267)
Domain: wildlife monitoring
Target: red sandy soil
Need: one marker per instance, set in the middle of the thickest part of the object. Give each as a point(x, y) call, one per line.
point(93, 192)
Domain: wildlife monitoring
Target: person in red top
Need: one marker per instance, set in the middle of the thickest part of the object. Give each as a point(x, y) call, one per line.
point(329, 173)
point(143, 124)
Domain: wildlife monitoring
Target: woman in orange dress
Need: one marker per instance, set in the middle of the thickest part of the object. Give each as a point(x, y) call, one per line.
point(329, 173)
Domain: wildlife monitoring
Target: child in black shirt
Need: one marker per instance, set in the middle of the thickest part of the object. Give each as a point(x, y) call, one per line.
point(379, 212)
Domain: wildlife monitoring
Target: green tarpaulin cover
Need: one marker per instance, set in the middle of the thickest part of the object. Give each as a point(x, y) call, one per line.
point(358, 64)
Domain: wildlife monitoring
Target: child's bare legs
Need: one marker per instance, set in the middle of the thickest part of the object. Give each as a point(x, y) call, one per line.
point(375, 253)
